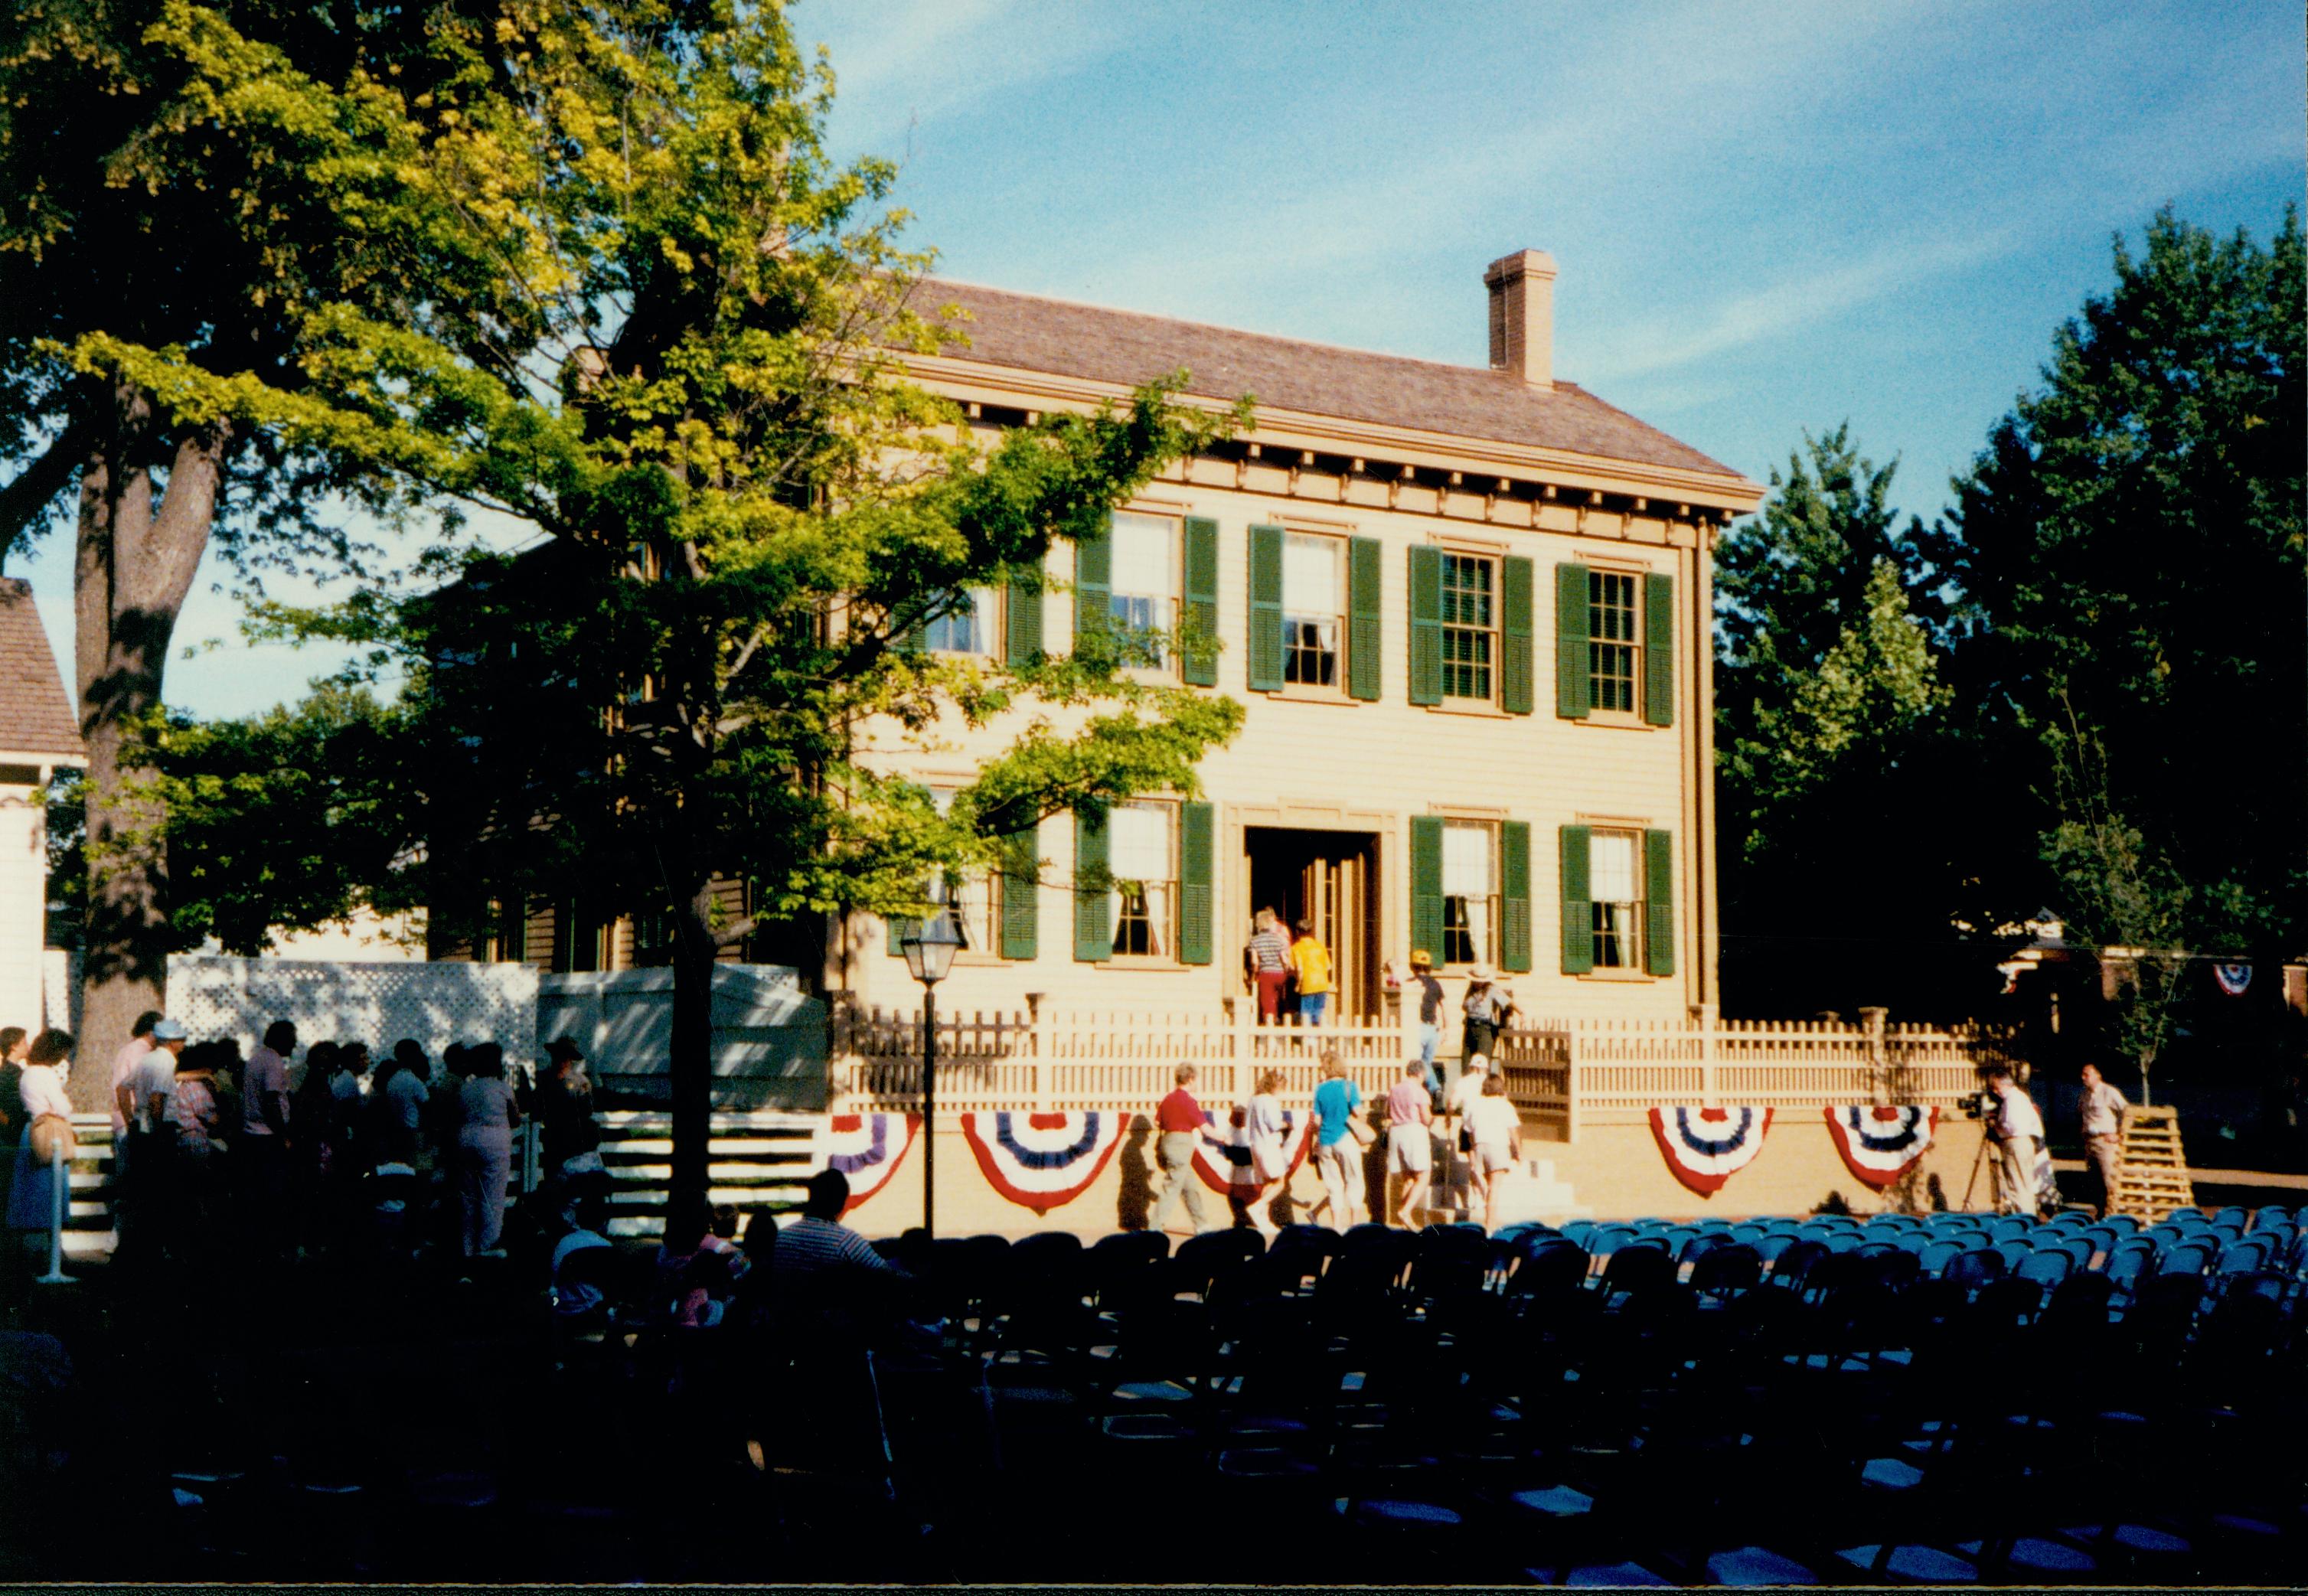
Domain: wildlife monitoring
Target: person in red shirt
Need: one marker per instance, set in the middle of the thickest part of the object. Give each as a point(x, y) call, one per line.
point(1178, 1129)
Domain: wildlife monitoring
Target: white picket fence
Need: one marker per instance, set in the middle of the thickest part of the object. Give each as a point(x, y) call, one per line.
point(1562, 1074)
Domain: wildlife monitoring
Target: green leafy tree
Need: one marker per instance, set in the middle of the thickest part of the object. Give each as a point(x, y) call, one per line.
point(198, 204)
point(2129, 549)
point(709, 666)
point(1838, 863)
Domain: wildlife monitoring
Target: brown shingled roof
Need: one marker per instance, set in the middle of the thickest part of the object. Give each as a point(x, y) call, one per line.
point(1032, 334)
point(36, 716)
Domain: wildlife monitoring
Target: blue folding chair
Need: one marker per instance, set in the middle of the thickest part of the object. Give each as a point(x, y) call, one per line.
point(2014, 1254)
point(2190, 1257)
point(2129, 1265)
point(1934, 1259)
point(2047, 1268)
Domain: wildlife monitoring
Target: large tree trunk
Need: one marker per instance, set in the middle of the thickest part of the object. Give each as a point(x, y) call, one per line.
point(133, 568)
point(691, 1064)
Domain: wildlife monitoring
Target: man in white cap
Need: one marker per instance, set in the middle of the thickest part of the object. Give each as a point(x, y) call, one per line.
point(140, 1099)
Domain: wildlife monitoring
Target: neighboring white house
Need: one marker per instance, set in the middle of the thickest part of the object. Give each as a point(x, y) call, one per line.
point(38, 734)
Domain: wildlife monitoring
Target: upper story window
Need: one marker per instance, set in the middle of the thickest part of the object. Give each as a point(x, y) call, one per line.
point(1314, 609)
point(1615, 884)
point(1470, 627)
point(1142, 860)
point(1614, 666)
point(1471, 891)
point(1142, 591)
point(968, 898)
point(970, 627)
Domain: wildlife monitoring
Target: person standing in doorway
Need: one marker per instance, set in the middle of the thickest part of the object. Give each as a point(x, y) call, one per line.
point(1430, 1019)
point(1266, 963)
point(1309, 963)
point(1178, 1125)
point(2102, 1108)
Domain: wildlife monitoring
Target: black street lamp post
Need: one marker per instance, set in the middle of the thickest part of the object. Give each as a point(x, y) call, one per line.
point(929, 949)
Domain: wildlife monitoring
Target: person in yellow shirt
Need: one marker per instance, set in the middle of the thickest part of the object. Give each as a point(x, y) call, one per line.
point(1311, 961)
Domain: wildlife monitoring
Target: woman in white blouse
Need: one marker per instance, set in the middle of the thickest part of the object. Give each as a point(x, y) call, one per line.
point(41, 1088)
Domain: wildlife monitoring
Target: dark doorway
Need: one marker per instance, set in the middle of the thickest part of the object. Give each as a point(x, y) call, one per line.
point(1331, 878)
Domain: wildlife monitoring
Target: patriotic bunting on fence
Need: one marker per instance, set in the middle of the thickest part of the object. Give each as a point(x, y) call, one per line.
point(2235, 980)
point(861, 1146)
point(1880, 1144)
point(1222, 1159)
point(1043, 1162)
point(1705, 1147)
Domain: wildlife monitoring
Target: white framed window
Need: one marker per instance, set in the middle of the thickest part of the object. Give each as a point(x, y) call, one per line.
point(1613, 656)
point(1143, 859)
point(1470, 628)
point(970, 898)
point(1314, 611)
point(1614, 881)
point(1145, 574)
point(1471, 891)
point(970, 627)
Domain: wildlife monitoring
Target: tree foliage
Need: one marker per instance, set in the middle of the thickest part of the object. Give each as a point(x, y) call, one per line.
point(2131, 560)
point(683, 365)
point(1832, 730)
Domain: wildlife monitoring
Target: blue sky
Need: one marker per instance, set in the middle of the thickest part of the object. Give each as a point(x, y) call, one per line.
point(1768, 218)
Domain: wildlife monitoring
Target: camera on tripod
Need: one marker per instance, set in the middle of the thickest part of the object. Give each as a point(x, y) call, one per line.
point(1978, 1105)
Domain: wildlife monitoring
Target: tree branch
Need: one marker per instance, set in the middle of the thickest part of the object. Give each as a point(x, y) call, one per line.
point(39, 485)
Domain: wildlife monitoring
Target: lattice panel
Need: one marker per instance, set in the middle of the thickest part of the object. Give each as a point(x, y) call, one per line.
point(218, 996)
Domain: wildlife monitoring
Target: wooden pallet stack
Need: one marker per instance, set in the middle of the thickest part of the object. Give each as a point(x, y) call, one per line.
point(2153, 1180)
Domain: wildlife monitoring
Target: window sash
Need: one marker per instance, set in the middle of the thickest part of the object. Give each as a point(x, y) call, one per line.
point(1612, 665)
point(1470, 614)
point(967, 629)
point(1142, 857)
point(1471, 924)
point(1615, 882)
point(1470, 859)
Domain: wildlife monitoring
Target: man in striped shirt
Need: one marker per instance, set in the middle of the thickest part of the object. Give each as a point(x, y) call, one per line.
point(1267, 962)
point(821, 1267)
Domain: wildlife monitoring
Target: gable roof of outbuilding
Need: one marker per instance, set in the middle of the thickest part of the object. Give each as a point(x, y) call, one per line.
point(36, 713)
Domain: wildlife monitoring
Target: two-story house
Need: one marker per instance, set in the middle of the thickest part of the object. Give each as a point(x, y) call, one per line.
point(1468, 611)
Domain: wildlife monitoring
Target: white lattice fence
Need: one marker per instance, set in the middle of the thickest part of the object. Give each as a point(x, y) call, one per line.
point(217, 995)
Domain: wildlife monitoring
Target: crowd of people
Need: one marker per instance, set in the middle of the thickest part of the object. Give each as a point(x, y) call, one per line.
point(332, 1148)
point(1473, 1130)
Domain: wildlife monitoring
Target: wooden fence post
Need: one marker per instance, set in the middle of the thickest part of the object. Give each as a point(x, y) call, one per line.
point(1707, 1054)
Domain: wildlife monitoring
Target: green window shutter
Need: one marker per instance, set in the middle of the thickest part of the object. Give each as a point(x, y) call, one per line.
point(1093, 933)
point(895, 928)
point(1517, 640)
point(1200, 663)
point(1022, 626)
point(1577, 908)
point(1021, 893)
point(1266, 609)
point(1570, 697)
point(1425, 626)
point(1514, 893)
point(1659, 902)
point(1364, 634)
point(1093, 586)
point(1427, 883)
point(1197, 869)
point(1659, 650)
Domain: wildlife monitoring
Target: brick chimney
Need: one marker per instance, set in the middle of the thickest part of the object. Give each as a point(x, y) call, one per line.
point(1523, 315)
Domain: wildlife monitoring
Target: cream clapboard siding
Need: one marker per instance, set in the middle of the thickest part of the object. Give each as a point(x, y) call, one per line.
point(1389, 760)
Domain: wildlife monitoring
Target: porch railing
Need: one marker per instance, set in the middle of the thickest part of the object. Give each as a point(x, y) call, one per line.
point(1562, 1073)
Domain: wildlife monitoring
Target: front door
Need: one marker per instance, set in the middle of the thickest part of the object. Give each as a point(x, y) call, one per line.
point(1332, 879)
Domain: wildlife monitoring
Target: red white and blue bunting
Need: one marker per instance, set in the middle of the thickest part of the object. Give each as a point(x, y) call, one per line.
point(1705, 1147)
point(1043, 1162)
point(1879, 1142)
point(867, 1148)
point(2235, 980)
point(1222, 1158)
